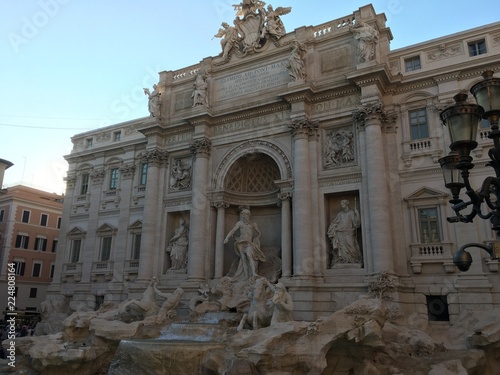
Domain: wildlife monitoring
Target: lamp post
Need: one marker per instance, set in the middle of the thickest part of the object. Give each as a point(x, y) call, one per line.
point(462, 120)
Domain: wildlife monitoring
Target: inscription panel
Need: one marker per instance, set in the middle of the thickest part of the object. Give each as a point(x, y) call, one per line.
point(252, 81)
point(252, 123)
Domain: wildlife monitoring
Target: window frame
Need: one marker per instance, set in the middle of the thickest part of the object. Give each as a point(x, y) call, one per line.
point(73, 248)
point(24, 219)
point(22, 241)
point(84, 183)
point(105, 247)
point(44, 220)
point(114, 178)
point(143, 175)
point(19, 271)
point(477, 47)
point(33, 292)
point(418, 124)
point(437, 221)
point(412, 62)
point(117, 135)
point(40, 243)
point(37, 263)
point(2, 213)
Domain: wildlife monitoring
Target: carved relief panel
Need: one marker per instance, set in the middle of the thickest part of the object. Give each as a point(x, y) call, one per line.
point(339, 147)
point(180, 174)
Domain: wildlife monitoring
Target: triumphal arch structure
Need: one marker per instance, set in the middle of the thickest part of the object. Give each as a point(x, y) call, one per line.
point(296, 140)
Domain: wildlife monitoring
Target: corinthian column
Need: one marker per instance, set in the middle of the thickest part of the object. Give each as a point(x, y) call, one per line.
point(303, 257)
point(150, 246)
point(286, 234)
point(198, 233)
point(371, 118)
point(219, 238)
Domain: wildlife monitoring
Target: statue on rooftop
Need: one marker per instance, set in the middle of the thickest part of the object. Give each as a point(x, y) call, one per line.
point(367, 38)
point(296, 64)
point(273, 24)
point(230, 38)
point(199, 95)
point(154, 101)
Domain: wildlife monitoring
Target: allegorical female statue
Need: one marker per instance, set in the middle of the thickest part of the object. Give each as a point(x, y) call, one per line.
point(178, 247)
point(342, 232)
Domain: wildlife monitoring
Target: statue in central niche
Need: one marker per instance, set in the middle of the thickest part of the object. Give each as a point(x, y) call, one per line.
point(246, 246)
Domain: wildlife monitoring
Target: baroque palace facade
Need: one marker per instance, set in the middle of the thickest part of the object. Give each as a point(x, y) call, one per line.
point(329, 139)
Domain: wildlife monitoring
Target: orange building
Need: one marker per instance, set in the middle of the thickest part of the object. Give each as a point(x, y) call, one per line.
point(29, 231)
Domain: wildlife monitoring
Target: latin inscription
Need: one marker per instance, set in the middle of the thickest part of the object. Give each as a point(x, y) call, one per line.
point(271, 119)
point(262, 78)
point(337, 104)
point(177, 138)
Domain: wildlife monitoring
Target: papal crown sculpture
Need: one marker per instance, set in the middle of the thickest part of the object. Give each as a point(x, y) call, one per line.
point(254, 27)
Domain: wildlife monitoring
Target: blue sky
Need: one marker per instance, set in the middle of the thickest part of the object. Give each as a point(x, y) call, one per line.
point(67, 66)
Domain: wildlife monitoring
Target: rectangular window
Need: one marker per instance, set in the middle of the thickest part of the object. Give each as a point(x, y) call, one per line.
point(429, 225)
point(19, 266)
point(37, 269)
point(40, 244)
point(75, 250)
point(113, 178)
point(89, 142)
point(144, 173)
point(54, 246)
point(33, 292)
point(22, 241)
point(52, 269)
point(136, 246)
point(105, 248)
point(59, 223)
point(26, 216)
point(418, 124)
point(84, 185)
point(1, 215)
point(412, 64)
point(117, 136)
point(44, 218)
point(477, 48)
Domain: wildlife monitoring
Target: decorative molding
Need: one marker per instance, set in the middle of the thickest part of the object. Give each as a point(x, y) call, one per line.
point(343, 179)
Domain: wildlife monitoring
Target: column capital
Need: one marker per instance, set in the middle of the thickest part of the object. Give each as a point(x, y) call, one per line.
point(127, 170)
point(220, 205)
point(303, 128)
point(201, 147)
point(375, 114)
point(155, 157)
point(283, 197)
point(70, 180)
point(97, 176)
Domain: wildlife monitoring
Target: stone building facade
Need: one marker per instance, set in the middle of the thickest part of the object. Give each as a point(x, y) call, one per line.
point(328, 137)
point(29, 235)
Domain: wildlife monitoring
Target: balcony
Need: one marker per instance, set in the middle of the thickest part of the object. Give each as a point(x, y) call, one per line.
point(71, 272)
point(431, 253)
point(102, 270)
point(131, 269)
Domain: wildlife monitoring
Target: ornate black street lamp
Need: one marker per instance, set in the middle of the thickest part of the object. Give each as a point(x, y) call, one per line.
point(462, 120)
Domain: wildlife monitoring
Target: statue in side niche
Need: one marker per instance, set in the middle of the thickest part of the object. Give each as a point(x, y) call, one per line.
point(246, 246)
point(154, 101)
point(342, 232)
point(367, 38)
point(178, 247)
